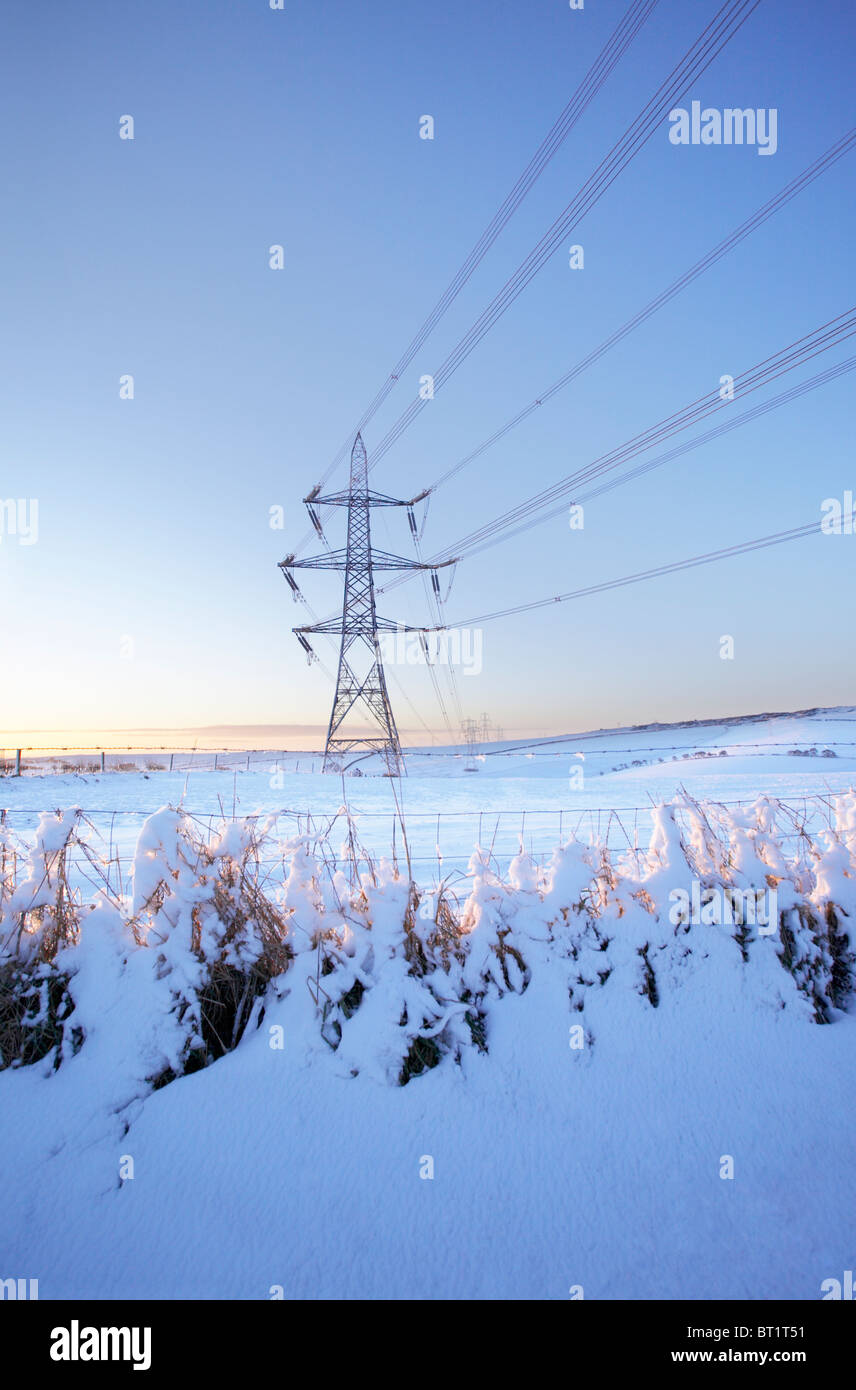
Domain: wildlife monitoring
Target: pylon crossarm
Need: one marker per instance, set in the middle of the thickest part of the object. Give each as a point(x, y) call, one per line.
point(383, 560)
point(374, 499)
point(338, 560)
point(333, 560)
point(336, 626)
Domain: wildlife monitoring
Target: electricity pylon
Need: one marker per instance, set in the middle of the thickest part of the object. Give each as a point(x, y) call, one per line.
point(361, 682)
point(470, 733)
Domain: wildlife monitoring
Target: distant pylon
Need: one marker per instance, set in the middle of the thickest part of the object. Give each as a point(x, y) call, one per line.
point(470, 735)
point(361, 683)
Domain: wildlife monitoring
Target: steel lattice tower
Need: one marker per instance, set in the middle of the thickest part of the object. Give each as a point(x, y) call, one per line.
point(361, 682)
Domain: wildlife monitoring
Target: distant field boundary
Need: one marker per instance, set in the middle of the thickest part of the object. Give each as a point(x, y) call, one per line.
point(22, 761)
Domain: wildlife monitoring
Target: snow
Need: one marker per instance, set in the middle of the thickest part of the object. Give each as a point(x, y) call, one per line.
point(599, 1058)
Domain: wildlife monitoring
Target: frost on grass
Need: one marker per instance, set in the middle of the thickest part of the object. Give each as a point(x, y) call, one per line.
point(368, 973)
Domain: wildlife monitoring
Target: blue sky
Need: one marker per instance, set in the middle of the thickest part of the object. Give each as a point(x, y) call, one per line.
point(152, 597)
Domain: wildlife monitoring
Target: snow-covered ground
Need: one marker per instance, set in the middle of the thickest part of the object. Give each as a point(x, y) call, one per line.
point(541, 1168)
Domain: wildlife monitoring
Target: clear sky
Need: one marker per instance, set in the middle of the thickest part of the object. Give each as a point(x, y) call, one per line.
point(151, 596)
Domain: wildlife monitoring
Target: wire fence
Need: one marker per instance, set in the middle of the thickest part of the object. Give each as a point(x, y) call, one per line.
point(59, 761)
point(436, 844)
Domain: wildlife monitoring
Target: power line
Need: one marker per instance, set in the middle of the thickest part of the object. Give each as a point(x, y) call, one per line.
point(436, 602)
point(761, 215)
point(784, 398)
point(796, 354)
point(608, 58)
point(698, 58)
point(743, 548)
point(728, 20)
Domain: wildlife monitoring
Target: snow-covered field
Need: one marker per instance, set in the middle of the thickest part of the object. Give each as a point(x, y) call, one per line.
point(689, 1137)
point(544, 791)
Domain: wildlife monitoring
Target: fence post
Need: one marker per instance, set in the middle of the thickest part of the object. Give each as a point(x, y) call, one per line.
point(102, 759)
point(171, 757)
point(17, 762)
point(215, 762)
